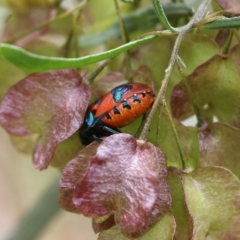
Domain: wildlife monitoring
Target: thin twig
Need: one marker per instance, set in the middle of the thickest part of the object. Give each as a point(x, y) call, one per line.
point(125, 36)
point(183, 158)
point(198, 16)
point(90, 78)
point(121, 23)
point(227, 45)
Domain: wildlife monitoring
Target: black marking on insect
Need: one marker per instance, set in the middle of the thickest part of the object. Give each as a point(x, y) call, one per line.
point(116, 111)
point(125, 104)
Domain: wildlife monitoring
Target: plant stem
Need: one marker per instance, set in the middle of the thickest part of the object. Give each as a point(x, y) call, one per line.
point(200, 120)
point(198, 16)
point(72, 38)
point(90, 78)
point(183, 159)
point(162, 17)
point(227, 45)
point(125, 37)
point(121, 23)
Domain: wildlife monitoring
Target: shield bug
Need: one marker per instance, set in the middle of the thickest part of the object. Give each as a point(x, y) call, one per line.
point(116, 109)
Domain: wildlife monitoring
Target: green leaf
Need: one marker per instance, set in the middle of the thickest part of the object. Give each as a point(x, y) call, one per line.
point(161, 15)
point(233, 22)
point(9, 75)
point(178, 208)
point(212, 196)
point(215, 87)
point(113, 233)
point(131, 1)
point(163, 229)
point(167, 142)
point(26, 60)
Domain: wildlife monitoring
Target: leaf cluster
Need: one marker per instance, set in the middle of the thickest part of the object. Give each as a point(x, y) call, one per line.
point(170, 181)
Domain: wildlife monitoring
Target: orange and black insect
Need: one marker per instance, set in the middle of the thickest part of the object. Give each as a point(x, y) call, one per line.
point(116, 109)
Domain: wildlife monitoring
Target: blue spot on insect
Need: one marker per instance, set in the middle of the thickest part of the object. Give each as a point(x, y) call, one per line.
point(117, 93)
point(89, 118)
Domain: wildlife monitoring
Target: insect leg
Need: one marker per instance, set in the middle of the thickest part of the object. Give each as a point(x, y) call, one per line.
point(110, 130)
point(96, 138)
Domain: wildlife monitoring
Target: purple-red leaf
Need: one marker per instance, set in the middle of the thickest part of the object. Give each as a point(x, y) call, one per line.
point(127, 178)
point(230, 5)
point(73, 172)
point(106, 83)
point(49, 105)
point(222, 37)
point(219, 146)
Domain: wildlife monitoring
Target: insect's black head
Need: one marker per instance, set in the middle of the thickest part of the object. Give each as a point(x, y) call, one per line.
point(90, 134)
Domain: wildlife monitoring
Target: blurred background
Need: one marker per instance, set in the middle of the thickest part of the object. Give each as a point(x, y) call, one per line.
point(20, 187)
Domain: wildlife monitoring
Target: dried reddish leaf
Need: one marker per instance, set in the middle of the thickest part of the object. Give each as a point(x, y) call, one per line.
point(222, 37)
point(230, 6)
point(25, 20)
point(127, 178)
point(50, 105)
point(214, 84)
point(212, 195)
point(219, 146)
point(73, 172)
